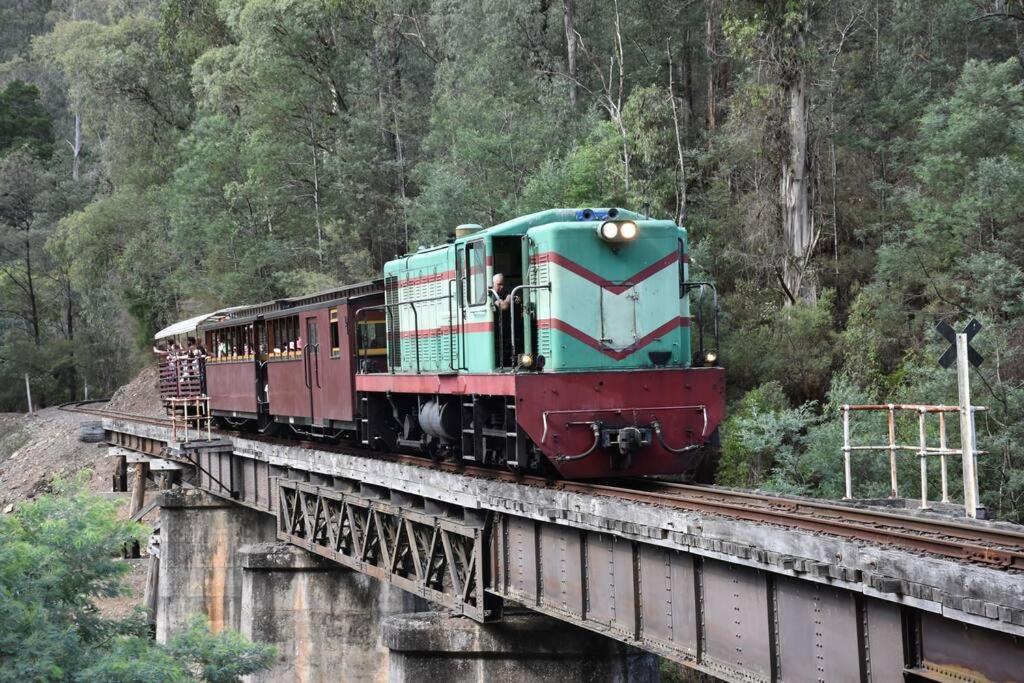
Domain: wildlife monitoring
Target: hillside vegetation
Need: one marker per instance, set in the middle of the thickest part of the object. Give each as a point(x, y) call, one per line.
point(851, 173)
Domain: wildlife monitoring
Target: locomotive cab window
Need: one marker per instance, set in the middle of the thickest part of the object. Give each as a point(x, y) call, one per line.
point(476, 274)
point(508, 260)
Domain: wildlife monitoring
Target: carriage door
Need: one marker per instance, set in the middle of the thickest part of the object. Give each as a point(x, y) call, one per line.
point(261, 345)
point(311, 361)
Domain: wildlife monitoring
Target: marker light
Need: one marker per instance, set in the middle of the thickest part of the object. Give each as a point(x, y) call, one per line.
point(609, 230)
point(627, 230)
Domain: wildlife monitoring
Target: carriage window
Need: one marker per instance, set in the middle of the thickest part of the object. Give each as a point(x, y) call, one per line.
point(476, 291)
point(261, 339)
point(335, 333)
point(284, 335)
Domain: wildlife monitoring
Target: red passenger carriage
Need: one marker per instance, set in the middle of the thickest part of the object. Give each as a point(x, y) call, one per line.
point(292, 361)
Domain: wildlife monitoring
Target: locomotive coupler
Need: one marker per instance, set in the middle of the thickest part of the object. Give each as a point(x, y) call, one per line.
point(628, 439)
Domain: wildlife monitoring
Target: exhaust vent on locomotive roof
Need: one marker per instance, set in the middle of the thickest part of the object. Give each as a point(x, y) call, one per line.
point(467, 229)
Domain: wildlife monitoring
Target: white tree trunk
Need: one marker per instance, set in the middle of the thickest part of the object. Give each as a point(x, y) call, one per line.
point(711, 47)
point(76, 148)
point(569, 7)
point(798, 228)
point(681, 183)
point(316, 196)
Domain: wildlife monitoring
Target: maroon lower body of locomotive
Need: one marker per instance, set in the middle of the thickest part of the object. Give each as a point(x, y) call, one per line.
point(585, 424)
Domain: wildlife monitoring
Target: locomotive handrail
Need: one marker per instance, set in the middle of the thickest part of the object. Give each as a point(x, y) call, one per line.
point(415, 331)
point(687, 286)
point(512, 309)
point(415, 319)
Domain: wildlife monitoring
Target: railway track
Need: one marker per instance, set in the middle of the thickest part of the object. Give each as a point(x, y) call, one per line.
point(977, 542)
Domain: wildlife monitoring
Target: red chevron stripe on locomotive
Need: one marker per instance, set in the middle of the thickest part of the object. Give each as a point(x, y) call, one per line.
point(617, 354)
point(613, 287)
point(561, 326)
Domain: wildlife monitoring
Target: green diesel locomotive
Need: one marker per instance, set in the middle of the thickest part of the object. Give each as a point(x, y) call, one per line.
point(559, 340)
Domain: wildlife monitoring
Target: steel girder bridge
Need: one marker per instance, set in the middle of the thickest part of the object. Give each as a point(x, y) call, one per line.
point(742, 586)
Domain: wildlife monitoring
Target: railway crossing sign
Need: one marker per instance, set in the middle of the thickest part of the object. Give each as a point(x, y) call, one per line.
point(949, 334)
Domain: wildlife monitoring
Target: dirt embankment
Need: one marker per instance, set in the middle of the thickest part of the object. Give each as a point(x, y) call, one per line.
point(37, 449)
point(139, 396)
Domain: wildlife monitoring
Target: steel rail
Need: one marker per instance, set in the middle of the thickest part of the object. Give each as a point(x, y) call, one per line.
point(986, 545)
point(77, 407)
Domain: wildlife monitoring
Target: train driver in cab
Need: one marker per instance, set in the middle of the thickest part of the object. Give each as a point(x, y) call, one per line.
point(502, 300)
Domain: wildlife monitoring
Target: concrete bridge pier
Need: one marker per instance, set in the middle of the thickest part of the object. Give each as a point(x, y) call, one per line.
point(529, 647)
point(324, 619)
point(200, 569)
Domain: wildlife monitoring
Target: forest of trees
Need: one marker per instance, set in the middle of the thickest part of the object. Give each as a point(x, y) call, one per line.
point(851, 173)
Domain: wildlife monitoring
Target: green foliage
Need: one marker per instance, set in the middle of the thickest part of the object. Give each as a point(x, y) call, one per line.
point(58, 554)
point(761, 434)
point(219, 658)
point(24, 123)
point(795, 345)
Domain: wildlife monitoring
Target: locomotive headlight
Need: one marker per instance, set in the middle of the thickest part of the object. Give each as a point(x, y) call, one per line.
point(618, 231)
point(710, 358)
point(525, 360)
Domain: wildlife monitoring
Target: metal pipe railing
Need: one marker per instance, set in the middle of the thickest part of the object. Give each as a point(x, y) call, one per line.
point(201, 418)
point(922, 448)
point(415, 320)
